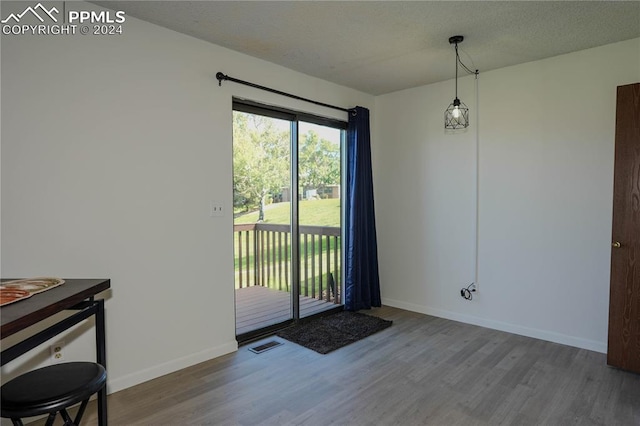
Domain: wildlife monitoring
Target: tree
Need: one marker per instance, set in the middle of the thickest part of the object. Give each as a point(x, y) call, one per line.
point(319, 162)
point(260, 160)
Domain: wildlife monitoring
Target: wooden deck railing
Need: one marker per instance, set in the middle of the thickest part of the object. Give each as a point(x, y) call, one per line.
point(262, 253)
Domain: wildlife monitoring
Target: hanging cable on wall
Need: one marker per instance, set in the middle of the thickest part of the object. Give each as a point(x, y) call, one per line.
point(457, 117)
point(477, 200)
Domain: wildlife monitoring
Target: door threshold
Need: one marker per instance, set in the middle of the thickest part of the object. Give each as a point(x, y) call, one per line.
point(255, 335)
point(252, 336)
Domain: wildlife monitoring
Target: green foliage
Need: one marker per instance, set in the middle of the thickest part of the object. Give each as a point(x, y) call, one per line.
point(261, 162)
point(260, 159)
point(319, 162)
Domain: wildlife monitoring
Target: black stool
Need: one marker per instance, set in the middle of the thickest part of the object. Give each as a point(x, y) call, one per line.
point(51, 390)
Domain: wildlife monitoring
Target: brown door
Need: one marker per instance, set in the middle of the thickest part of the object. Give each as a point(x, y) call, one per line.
point(624, 301)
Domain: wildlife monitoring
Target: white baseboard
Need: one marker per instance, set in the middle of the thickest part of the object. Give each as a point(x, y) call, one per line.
point(550, 336)
point(120, 383)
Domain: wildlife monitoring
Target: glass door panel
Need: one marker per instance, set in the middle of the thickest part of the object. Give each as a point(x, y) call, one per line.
point(319, 217)
point(262, 220)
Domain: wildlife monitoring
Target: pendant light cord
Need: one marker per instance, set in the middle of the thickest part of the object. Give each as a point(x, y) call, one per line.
point(459, 61)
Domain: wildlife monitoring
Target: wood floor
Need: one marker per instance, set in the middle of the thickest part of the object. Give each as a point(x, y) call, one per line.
point(258, 307)
point(421, 371)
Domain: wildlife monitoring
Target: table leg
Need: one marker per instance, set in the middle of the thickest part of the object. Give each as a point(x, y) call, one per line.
point(101, 357)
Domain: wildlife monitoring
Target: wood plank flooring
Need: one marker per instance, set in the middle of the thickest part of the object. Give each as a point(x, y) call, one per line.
point(421, 371)
point(258, 307)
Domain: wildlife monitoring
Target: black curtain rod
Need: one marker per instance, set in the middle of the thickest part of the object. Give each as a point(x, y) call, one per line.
point(220, 76)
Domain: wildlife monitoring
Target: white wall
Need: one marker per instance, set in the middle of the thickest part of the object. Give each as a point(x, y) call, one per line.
point(112, 148)
point(546, 148)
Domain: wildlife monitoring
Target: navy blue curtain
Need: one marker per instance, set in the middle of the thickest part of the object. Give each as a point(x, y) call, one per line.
point(362, 282)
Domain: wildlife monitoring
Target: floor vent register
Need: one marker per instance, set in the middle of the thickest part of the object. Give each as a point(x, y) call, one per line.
point(265, 347)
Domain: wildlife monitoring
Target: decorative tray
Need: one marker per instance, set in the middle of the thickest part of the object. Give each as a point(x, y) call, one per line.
point(13, 291)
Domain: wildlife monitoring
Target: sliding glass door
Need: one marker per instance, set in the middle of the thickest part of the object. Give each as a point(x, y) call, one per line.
point(287, 182)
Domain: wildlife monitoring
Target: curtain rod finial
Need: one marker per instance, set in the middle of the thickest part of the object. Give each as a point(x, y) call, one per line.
point(220, 76)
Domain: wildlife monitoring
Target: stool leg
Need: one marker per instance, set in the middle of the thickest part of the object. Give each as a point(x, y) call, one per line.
point(66, 417)
point(50, 419)
point(17, 422)
point(80, 412)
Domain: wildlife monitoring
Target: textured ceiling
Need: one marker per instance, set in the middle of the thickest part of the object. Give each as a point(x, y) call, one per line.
point(381, 47)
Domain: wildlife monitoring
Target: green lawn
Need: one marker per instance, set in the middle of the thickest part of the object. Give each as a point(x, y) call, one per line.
point(312, 212)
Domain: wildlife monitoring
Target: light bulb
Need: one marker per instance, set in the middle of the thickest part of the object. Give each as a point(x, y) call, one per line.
point(455, 112)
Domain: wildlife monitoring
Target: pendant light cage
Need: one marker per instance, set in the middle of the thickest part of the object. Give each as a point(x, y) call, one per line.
point(456, 116)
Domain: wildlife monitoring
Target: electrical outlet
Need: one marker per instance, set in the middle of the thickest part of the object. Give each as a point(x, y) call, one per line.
point(57, 352)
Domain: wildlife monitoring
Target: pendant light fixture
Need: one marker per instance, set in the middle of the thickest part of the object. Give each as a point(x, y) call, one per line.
point(456, 116)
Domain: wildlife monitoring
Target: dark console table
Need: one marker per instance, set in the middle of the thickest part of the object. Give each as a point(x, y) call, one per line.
point(76, 295)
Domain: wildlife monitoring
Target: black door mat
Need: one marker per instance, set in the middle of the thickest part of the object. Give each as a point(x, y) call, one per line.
point(331, 332)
